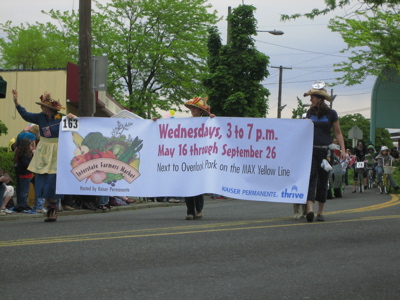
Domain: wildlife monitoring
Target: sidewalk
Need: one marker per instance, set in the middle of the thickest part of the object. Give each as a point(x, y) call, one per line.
point(134, 206)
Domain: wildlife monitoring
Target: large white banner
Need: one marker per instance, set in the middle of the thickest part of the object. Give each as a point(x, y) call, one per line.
point(243, 158)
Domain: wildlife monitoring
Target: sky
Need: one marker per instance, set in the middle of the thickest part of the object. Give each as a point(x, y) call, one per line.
point(308, 49)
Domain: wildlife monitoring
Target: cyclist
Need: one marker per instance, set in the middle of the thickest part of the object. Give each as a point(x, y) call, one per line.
point(384, 159)
point(370, 159)
point(359, 151)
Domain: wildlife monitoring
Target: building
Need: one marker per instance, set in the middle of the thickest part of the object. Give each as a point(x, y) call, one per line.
point(63, 86)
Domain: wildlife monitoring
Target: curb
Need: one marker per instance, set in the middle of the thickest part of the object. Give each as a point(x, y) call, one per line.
point(21, 216)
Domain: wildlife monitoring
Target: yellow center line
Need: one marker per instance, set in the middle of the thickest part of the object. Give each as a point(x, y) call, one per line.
point(392, 202)
point(179, 230)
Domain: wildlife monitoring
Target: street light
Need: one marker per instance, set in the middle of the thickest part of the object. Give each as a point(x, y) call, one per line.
point(273, 32)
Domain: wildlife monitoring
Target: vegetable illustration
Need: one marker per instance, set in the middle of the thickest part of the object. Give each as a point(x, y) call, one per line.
point(80, 150)
point(98, 177)
point(77, 138)
point(134, 148)
point(109, 154)
point(112, 177)
point(77, 160)
point(135, 164)
point(117, 145)
point(95, 140)
point(93, 154)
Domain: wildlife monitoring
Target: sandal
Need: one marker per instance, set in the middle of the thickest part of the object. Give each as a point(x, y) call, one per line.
point(129, 201)
point(52, 215)
point(89, 205)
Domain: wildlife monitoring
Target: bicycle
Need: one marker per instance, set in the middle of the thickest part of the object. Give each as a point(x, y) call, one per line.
point(369, 166)
point(370, 176)
point(384, 184)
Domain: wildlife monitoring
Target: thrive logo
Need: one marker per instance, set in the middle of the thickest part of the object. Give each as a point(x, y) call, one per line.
point(292, 194)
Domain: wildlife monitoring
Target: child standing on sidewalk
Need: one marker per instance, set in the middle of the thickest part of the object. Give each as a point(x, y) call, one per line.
point(25, 153)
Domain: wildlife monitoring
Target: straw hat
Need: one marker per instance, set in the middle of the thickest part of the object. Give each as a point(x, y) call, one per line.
point(318, 92)
point(199, 103)
point(47, 101)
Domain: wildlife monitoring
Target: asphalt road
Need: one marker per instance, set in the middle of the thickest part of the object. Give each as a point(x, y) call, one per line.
point(240, 250)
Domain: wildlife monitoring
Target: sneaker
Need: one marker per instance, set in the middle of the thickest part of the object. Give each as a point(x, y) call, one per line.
point(199, 215)
point(310, 216)
point(43, 211)
point(28, 212)
point(189, 217)
point(67, 207)
point(7, 211)
point(320, 218)
point(174, 200)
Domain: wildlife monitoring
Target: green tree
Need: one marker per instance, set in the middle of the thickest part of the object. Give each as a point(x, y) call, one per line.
point(382, 136)
point(372, 40)
point(38, 46)
point(3, 128)
point(331, 5)
point(156, 49)
point(371, 30)
point(300, 110)
point(237, 69)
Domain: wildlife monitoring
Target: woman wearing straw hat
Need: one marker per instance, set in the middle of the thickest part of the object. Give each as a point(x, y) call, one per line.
point(325, 119)
point(44, 162)
point(198, 108)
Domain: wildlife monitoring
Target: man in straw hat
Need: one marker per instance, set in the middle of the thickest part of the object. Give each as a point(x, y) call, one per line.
point(198, 107)
point(325, 119)
point(45, 165)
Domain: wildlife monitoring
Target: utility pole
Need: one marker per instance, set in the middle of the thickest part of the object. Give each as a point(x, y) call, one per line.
point(228, 31)
point(280, 108)
point(86, 100)
point(332, 98)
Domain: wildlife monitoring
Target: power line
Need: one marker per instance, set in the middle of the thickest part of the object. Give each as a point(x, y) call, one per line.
point(355, 110)
point(308, 51)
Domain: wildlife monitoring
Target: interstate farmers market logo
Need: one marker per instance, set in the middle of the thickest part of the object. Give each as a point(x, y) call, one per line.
point(106, 159)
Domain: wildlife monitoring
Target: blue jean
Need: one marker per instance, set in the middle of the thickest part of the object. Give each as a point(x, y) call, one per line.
point(45, 186)
point(39, 203)
point(2, 191)
point(103, 200)
point(23, 191)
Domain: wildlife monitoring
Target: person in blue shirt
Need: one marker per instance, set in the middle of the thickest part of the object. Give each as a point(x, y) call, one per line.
point(44, 162)
point(325, 119)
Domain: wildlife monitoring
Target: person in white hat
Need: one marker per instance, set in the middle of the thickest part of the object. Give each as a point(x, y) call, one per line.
point(325, 119)
point(385, 159)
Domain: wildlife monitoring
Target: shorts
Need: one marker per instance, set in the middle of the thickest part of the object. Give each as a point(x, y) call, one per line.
point(9, 191)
